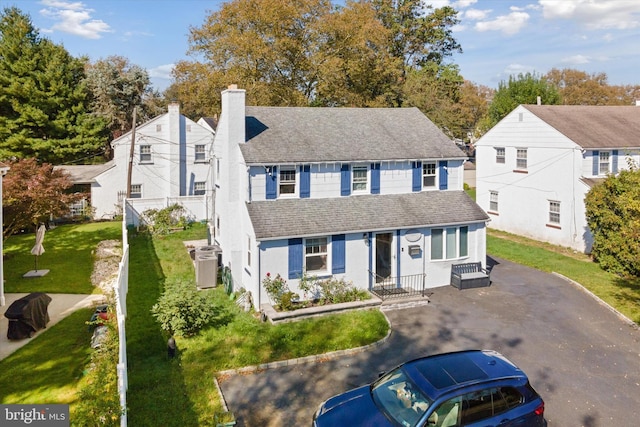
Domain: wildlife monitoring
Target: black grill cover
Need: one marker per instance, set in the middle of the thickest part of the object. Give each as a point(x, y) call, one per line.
point(27, 315)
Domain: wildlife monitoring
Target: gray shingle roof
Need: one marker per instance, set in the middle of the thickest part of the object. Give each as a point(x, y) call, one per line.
point(284, 218)
point(593, 126)
point(306, 135)
point(85, 174)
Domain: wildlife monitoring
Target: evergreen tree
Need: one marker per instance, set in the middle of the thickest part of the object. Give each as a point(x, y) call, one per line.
point(43, 99)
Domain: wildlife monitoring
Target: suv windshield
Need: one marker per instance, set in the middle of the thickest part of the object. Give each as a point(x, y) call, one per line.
point(399, 398)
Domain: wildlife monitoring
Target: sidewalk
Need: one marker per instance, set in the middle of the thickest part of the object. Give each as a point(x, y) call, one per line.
point(61, 306)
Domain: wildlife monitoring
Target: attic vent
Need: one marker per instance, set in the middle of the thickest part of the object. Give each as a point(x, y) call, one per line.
point(520, 116)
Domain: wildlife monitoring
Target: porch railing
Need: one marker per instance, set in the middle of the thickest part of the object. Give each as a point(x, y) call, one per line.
point(411, 285)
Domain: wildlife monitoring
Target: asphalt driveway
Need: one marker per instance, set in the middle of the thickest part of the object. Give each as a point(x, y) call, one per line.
point(582, 358)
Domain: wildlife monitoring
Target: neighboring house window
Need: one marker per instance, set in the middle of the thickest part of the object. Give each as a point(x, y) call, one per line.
point(449, 243)
point(500, 155)
point(604, 162)
point(521, 158)
point(136, 191)
point(145, 154)
point(316, 254)
point(428, 175)
point(359, 179)
point(200, 153)
point(493, 201)
point(287, 181)
point(198, 188)
point(248, 251)
point(554, 212)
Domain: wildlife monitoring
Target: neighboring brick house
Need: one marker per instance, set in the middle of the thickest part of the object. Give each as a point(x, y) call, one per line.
point(364, 194)
point(535, 167)
point(171, 164)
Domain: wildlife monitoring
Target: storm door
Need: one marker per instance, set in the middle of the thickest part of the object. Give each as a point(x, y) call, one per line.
point(384, 256)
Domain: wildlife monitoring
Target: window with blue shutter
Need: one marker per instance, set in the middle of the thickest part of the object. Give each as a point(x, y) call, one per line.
point(271, 179)
point(596, 163)
point(444, 175)
point(305, 181)
point(295, 258)
point(614, 162)
point(337, 254)
point(417, 176)
point(345, 180)
point(375, 178)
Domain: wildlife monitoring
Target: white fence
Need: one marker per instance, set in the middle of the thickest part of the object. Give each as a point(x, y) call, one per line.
point(196, 207)
point(121, 288)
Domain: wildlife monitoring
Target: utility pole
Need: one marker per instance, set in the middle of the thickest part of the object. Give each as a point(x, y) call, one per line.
point(131, 153)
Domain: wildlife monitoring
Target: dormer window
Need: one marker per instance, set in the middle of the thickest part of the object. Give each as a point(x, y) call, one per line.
point(359, 179)
point(428, 175)
point(604, 163)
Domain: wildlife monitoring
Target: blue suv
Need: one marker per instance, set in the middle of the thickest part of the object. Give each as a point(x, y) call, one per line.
point(467, 388)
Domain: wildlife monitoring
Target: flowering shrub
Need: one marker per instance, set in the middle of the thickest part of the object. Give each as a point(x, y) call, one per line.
point(278, 290)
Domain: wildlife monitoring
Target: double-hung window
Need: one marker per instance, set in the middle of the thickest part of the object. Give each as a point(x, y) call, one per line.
point(604, 163)
point(521, 158)
point(554, 212)
point(449, 243)
point(429, 175)
point(200, 154)
point(287, 181)
point(359, 179)
point(145, 154)
point(316, 255)
point(136, 191)
point(198, 188)
point(500, 155)
point(493, 201)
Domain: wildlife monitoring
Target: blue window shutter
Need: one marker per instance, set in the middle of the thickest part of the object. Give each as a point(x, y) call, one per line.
point(375, 178)
point(417, 176)
point(305, 181)
point(345, 180)
point(295, 258)
point(272, 182)
point(337, 254)
point(444, 175)
point(614, 162)
point(596, 161)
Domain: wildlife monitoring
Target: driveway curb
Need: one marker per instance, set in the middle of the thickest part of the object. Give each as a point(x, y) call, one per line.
point(599, 300)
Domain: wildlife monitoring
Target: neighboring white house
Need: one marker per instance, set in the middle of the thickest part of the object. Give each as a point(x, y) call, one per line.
point(171, 163)
point(363, 194)
point(535, 167)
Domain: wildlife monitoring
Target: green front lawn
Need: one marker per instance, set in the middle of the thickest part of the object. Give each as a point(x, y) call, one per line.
point(69, 256)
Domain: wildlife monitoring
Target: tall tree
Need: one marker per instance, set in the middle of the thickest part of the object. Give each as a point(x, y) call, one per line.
point(419, 33)
point(117, 87)
point(354, 66)
point(613, 215)
point(522, 89)
point(43, 100)
point(580, 88)
point(33, 193)
point(267, 46)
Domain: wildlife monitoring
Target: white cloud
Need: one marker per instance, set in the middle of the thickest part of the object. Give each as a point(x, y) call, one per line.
point(476, 14)
point(576, 60)
point(74, 18)
point(507, 24)
point(162, 71)
point(595, 14)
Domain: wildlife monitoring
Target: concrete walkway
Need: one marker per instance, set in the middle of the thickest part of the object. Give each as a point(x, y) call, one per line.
point(61, 306)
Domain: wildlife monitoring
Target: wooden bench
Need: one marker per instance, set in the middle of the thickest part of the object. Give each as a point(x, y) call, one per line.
point(469, 275)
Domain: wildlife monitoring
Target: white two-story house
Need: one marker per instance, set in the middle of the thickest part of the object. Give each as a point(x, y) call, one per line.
point(170, 163)
point(368, 195)
point(535, 167)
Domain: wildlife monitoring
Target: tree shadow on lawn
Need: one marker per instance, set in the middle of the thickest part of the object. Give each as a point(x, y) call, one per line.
point(629, 295)
point(157, 393)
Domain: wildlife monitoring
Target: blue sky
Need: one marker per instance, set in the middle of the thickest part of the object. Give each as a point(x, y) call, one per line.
point(498, 37)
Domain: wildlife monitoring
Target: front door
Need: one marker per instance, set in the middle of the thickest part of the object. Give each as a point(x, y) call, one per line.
point(383, 256)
